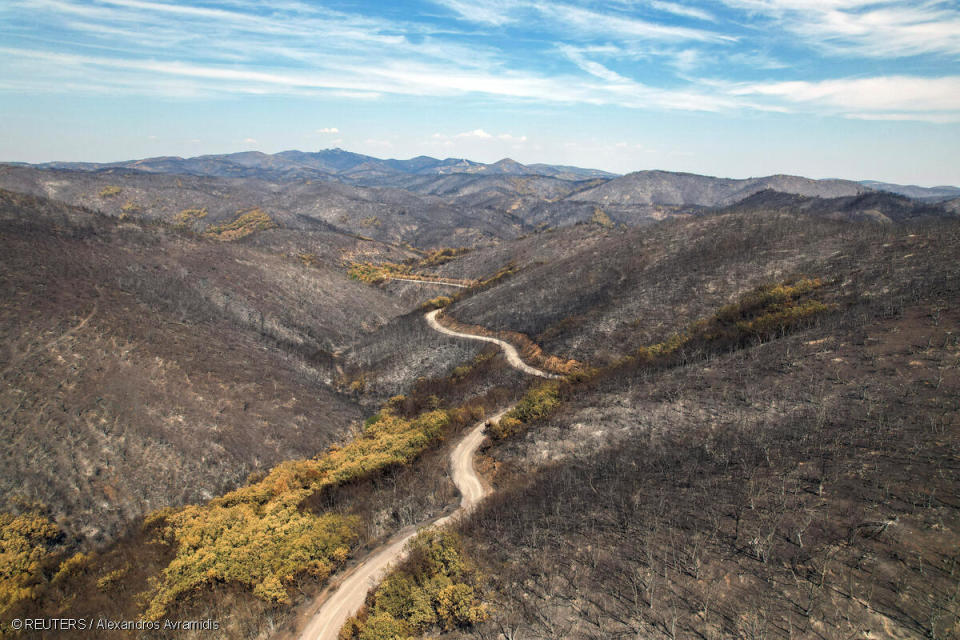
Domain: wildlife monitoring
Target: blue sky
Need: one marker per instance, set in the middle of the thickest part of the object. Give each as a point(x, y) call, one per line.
point(824, 88)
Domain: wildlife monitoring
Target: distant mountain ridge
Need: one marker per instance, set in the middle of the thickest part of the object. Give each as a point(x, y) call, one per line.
point(650, 187)
point(654, 186)
point(428, 202)
point(940, 193)
point(669, 188)
point(330, 164)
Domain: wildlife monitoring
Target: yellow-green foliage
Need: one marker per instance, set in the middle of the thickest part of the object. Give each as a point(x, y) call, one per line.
point(257, 536)
point(437, 257)
point(242, 226)
point(436, 303)
point(372, 221)
point(130, 207)
point(74, 565)
point(262, 546)
point(766, 299)
point(436, 587)
point(781, 318)
point(502, 272)
point(762, 313)
point(374, 273)
point(110, 191)
point(359, 385)
point(26, 545)
point(105, 582)
point(536, 404)
point(601, 218)
point(188, 217)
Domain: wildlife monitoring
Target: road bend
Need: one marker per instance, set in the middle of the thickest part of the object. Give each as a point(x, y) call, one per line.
point(336, 604)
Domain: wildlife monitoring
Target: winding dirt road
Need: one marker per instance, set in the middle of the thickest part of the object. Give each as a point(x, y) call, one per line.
point(449, 284)
point(337, 603)
point(513, 356)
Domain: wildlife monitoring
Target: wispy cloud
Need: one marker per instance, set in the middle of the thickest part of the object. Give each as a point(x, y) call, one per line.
point(571, 52)
point(682, 10)
point(877, 98)
point(593, 68)
point(611, 25)
point(873, 28)
point(476, 133)
point(493, 12)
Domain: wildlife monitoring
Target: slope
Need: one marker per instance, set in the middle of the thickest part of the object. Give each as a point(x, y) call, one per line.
point(799, 482)
point(145, 367)
point(201, 202)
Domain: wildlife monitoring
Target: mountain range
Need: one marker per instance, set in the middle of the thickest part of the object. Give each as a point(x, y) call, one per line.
point(751, 427)
point(364, 170)
point(424, 201)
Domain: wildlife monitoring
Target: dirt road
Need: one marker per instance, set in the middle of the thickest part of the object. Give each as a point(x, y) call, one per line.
point(337, 603)
point(513, 356)
point(421, 281)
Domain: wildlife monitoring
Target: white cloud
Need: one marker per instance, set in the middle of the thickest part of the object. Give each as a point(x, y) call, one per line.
point(611, 25)
point(894, 94)
point(936, 118)
point(873, 28)
point(484, 11)
point(687, 59)
point(476, 133)
point(131, 47)
point(903, 94)
point(682, 10)
point(591, 67)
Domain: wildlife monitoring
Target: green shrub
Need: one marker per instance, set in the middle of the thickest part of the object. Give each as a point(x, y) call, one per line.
point(245, 224)
point(110, 191)
point(437, 586)
point(259, 537)
point(766, 312)
point(436, 303)
point(26, 547)
point(536, 404)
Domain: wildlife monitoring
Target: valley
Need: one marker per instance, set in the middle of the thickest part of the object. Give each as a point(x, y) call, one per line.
point(660, 404)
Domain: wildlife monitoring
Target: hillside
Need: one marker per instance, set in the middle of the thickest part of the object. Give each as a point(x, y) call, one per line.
point(667, 188)
point(759, 436)
point(764, 447)
point(794, 483)
point(877, 206)
point(198, 202)
point(219, 386)
point(327, 164)
point(591, 294)
point(423, 202)
point(146, 367)
point(930, 194)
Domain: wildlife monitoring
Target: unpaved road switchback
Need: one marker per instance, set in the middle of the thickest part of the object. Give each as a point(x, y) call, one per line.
point(341, 600)
point(513, 356)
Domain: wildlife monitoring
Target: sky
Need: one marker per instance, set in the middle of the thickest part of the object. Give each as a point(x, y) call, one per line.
point(736, 88)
